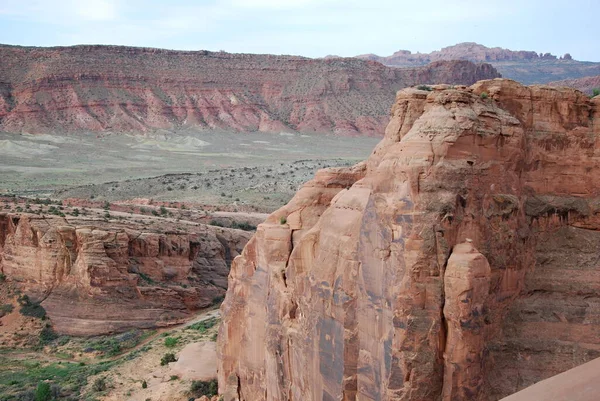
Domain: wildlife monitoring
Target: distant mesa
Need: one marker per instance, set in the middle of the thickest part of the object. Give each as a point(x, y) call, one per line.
point(527, 67)
point(130, 89)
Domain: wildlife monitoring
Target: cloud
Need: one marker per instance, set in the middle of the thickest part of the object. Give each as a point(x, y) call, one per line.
point(96, 10)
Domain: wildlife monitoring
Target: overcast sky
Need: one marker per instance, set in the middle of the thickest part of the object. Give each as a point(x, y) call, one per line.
point(313, 28)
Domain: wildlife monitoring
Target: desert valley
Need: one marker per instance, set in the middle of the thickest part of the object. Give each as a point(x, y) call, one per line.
point(200, 225)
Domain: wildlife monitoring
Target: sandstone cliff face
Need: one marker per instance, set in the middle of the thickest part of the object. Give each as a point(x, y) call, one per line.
point(459, 262)
point(109, 88)
point(95, 278)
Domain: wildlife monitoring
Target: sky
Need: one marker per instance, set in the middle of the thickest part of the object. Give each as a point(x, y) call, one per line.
point(313, 28)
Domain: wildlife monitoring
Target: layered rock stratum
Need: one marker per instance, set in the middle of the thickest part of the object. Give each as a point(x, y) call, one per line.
point(459, 262)
point(112, 88)
point(522, 65)
point(585, 84)
point(93, 277)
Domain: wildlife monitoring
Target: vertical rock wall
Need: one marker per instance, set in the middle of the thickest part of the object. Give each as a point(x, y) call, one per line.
point(420, 274)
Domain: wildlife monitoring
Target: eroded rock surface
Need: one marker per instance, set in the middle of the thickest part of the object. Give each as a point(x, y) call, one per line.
point(458, 262)
point(116, 89)
point(94, 277)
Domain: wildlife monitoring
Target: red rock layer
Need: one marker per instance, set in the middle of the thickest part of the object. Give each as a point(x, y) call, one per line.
point(458, 263)
point(109, 88)
point(461, 51)
point(95, 278)
point(585, 84)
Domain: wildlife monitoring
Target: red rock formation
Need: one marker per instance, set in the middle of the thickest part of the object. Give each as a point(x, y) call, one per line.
point(109, 88)
point(95, 278)
point(456, 263)
point(585, 84)
point(524, 66)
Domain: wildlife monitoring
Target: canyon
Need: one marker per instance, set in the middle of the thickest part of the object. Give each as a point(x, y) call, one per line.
point(97, 277)
point(459, 261)
point(125, 89)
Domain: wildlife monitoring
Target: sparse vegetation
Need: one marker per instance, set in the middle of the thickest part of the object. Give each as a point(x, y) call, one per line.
point(99, 384)
point(425, 88)
point(167, 358)
point(282, 220)
point(595, 92)
point(204, 325)
point(207, 388)
point(171, 342)
point(29, 308)
point(43, 392)
point(484, 95)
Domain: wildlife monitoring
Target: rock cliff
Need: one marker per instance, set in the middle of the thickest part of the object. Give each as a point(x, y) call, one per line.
point(459, 262)
point(95, 277)
point(111, 88)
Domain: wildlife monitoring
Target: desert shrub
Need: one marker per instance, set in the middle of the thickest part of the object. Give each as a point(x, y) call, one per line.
point(2, 277)
point(170, 342)
point(47, 335)
point(204, 325)
point(243, 226)
point(207, 388)
point(484, 95)
point(144, 384)
point(595, 92)
point(99, 384)
point(167, 358)
point(6, 308)
point(282, 220)
point(43, 392)
point(174, 377)
point(424, 88)
point(216, 223)
point(32, 309)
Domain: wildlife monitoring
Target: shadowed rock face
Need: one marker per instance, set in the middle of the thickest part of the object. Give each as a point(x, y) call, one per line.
point(111, 88)
point(95, 277)
point(458, 262)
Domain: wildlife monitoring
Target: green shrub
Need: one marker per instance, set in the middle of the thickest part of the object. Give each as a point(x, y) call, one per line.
point(207, 388)
point(424, 88)
point(282, 220)
point(174, 377)
point(47, 335)
point(170, 342)
point(167, 358)
point(144, 384)
point(595, 92)
point(484, 95)
point(43, 392)
point(2, 277)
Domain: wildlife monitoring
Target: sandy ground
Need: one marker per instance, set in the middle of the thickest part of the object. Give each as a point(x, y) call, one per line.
point(196, 359)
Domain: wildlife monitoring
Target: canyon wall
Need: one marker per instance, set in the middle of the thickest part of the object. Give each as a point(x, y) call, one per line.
point(459, 262)
point(126, 89)
point(94, 277)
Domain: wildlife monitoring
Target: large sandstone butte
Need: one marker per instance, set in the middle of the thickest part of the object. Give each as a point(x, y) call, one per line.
point(94, 277)
point(113, 88)
point(459, 262)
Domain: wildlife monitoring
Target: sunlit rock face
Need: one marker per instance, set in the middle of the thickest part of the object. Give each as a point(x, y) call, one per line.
point(459, 262)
